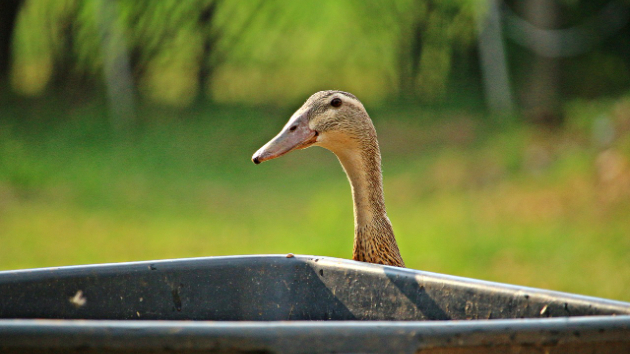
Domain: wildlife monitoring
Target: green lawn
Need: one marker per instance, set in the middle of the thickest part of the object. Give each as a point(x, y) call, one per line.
point(466, 196)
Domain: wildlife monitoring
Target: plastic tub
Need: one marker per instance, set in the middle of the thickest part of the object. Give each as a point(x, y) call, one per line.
point(301, 304)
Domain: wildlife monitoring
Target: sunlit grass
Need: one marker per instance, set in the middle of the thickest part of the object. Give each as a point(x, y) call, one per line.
point(512, 204)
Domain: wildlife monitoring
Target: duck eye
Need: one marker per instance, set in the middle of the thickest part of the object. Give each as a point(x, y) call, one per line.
point(336, 102)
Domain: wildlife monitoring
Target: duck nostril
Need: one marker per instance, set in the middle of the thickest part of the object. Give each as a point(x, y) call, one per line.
point(293, 128)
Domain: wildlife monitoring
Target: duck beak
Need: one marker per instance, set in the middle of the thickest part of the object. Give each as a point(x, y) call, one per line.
point(296, 134)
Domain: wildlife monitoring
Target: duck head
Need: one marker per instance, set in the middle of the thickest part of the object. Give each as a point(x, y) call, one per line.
point(334, 120)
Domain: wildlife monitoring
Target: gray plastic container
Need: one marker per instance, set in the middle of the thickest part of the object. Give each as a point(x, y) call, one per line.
point(302, 304)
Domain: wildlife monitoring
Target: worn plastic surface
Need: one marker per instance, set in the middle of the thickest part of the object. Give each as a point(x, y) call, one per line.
point(277, 288)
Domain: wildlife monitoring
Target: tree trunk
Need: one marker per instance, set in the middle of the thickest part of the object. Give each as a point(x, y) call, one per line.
point(9, 10)
point(541, 94)
point(205, 67)
point(492, 57)
point(116, 69)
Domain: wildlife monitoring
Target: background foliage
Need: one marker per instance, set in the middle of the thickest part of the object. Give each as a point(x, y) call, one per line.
point(126, 129)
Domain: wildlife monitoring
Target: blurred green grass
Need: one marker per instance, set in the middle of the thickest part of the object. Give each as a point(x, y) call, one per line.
point(467, 195)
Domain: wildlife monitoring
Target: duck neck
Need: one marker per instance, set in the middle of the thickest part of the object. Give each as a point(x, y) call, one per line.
point(364, 174)
point(374, 239)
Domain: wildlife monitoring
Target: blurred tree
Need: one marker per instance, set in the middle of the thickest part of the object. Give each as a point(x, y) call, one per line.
point(218, 41)
point(413, 41)
point(541, 95)
point(574, 47)
point(116, 67)
point(42, 47)
point(493, 62)
point(174, 47)
point(207, 15)
point(9, 10)
point(254, 51)
point(426, 34)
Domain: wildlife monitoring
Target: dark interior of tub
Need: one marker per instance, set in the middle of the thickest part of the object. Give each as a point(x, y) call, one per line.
point(271, 288)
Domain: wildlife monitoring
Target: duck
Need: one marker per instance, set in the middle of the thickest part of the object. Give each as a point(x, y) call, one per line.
point(338, 121)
